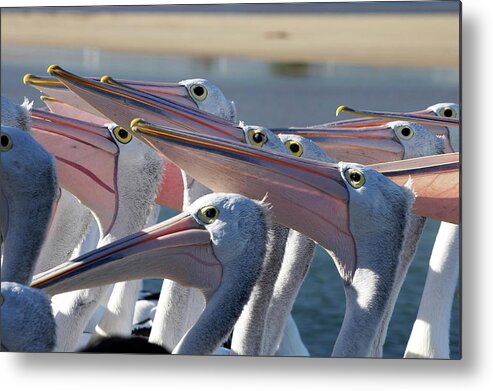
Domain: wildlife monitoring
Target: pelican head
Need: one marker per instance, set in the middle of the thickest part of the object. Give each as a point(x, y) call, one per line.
point(442, 119)
point(209, 97)
point(376, 143)
point(305, 148)
point(447, 110)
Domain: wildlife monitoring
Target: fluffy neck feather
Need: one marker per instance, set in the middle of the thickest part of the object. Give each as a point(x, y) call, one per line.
point(249, 330)
point(297, 259)
point(368, 297)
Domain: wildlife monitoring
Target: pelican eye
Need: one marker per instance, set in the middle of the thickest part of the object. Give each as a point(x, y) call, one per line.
point(5, 142)
point(208, 214)
point(257, 137)
point(294, 147)
point(122, 135)
point(354, 177)
point(405, 132)
point(199, 92)
point(448, 112)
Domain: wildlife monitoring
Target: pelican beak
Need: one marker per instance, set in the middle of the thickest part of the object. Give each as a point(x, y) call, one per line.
point(86, 157)
point(435, 181)
point(58, 107)
point(364, 145)
point(439, 126)
point(305, 196)
point(170, 194)
point(424, 118)
point(121, 104)
point(56, 89)
point(179, 249)
point(172, 91)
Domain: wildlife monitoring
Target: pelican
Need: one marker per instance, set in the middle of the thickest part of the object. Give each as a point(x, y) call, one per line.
point(126, 174)
point(198, 93)
point(304, 195)
point(28, 191)
point(443, 119)
point(430, 335)
point(204, 247)
point(395, 140)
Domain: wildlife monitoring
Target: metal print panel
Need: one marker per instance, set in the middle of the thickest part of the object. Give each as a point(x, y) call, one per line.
point(235, 179)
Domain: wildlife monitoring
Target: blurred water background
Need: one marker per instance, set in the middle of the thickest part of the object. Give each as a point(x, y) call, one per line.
point(279, 95)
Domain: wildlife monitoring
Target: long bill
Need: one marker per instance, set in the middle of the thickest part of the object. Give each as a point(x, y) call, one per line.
point(435, 182)
point(364, 145)
point(122, 104)
point(179, 249)
point(86, 158)
point(170, 193)
point(305, 195)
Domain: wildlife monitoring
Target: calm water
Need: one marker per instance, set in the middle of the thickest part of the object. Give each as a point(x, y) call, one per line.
point(278, 95)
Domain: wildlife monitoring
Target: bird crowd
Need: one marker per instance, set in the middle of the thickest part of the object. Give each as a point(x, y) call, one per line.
point(83, 178)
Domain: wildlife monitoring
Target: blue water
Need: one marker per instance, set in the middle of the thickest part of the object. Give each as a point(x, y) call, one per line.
point(279, 95)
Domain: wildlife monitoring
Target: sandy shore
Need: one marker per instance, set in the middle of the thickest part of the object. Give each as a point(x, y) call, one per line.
point(411, 40)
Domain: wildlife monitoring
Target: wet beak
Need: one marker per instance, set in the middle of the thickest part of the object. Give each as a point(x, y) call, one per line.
point(305, 196)
point(86, 157)
point(178, 249)
point(435, 180)
point(364, 145)
point(122, 104)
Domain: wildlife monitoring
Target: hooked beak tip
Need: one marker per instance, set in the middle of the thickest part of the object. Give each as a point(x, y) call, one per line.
point(52, 69)
point(106, 79)
point(27, 78)
point(47, 98)
point(136, 122)
point(340, 109)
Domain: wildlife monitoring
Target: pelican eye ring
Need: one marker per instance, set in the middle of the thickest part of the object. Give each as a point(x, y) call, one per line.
point(122, 135)
point(257, 137)
point(199, 92)
point(294, 147)
point(405, 132)
point(208, 214)
point(448, 112)
point(5, 143)
point(355, 177)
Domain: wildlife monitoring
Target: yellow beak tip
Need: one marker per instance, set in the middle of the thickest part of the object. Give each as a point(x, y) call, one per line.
point(45, 98)
point(105, 79)
point(52, 68)
point(27, 78)
point(136, 122)
point(340, 109)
